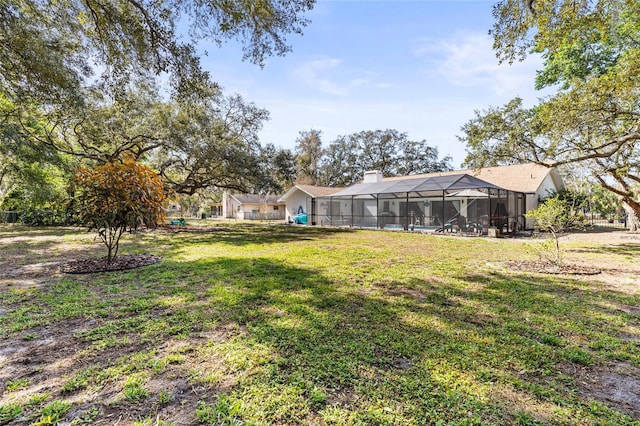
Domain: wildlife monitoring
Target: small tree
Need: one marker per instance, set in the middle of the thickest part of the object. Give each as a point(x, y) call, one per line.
point(116, 196)
point(556, 215)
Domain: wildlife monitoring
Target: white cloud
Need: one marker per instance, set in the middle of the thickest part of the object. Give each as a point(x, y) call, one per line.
point(332, 76)
point(317, 74)
point(468, 60)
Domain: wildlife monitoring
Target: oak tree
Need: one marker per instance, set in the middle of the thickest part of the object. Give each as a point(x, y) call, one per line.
point(308, 154)
point(591, 52)
point(51, 50)
point(72, 67)
point(388, 151)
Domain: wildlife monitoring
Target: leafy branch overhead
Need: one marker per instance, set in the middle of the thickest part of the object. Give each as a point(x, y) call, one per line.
point(591, 53)
point(80, 78)
point(52, 49)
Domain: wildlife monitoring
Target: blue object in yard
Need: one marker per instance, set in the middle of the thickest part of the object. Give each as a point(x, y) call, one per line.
point(300, 219)
point(180, 222)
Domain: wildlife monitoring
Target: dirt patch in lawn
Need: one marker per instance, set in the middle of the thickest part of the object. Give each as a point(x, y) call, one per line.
point(608, 258)
point(550, 268)
point(52, 360)
point(120, 263)
point(617, 385)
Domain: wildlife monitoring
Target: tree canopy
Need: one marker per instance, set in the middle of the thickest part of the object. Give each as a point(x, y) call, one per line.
point(389, 151)
point(79, 80)
point(52, 49)
point(344, 161)
point(591, 52)
point(209, 142)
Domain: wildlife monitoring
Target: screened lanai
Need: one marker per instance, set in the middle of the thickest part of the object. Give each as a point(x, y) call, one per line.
point(453, 203)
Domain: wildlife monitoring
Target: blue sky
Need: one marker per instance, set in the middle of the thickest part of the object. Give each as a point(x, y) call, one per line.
point(420, 67)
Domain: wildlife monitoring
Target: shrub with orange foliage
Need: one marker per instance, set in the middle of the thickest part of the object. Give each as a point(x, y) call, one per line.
point(117, 196)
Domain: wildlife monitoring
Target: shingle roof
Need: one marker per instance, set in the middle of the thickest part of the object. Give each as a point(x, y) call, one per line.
point(256, 199)
point(525, 178)
point(318, 191)
point(312, 191)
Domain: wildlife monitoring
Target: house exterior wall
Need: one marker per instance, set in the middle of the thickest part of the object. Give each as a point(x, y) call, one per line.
point(247, 211)
point(254, 211)
point(229, 206)
point(295, 201)
point(233, 209)
point(547, 188)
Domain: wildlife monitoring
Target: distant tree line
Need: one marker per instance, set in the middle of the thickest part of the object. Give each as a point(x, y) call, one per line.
point(344, 161)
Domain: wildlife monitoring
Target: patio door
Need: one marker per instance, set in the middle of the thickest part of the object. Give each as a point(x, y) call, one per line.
point(443, 213)
point(412, 213)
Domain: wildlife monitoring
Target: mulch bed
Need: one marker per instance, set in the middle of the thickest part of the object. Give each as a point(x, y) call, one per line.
point(550, 268)
point(121, 262)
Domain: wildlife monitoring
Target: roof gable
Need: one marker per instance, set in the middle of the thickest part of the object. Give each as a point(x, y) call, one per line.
point(311, 191)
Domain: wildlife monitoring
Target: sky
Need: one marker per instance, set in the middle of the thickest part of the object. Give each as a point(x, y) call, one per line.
point(417, 66)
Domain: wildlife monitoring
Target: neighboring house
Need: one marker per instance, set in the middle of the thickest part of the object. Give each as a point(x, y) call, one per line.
point(252, 207)
point(470, 200)
point(301, 199)
point(215, 210)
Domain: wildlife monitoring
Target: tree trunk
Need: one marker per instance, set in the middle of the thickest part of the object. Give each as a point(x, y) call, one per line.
point(556, 246)
point(633, 219)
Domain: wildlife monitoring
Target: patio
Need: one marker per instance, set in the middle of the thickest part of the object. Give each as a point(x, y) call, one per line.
point(452, 203)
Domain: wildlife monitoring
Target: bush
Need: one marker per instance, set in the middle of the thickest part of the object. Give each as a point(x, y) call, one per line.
point(44, 217)
point(117, 196)
point(18, 206)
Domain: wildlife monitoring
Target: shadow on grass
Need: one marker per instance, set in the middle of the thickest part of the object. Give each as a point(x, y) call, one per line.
point(36, 246)
point(409, 351)
point(21, 244)
point(625, 249)
point(245, 234)
point(235, 235)
point(8, 231)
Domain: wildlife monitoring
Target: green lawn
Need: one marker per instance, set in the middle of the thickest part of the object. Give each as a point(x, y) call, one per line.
point(282, 325)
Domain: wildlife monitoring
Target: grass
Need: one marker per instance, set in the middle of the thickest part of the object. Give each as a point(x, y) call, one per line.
point(287, 325)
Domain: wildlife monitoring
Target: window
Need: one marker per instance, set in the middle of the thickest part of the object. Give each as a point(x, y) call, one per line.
point(276, 207)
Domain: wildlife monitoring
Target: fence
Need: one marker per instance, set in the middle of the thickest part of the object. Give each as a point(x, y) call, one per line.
point(277, 215)
point(9, 217)
point(612, 221)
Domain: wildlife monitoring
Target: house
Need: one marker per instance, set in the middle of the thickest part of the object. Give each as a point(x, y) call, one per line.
point(252, 207)
point(461, 200)
point(301, 199)
point(537, 182)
